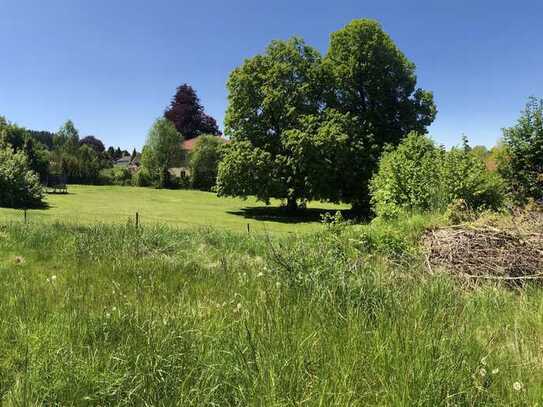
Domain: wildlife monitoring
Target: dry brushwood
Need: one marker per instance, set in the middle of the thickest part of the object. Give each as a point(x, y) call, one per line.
point(513, 251)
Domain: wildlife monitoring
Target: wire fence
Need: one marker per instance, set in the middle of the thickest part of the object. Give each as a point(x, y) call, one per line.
point(139, 219)
point(87, 205)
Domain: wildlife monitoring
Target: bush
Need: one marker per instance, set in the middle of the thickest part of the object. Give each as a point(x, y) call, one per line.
point(419, 176)
point(182, 182)
point(116, 176)
point(19, 186)
point(521, 163)
point(464, 176)
point(142, 178)
point(406, 179)
point(204, 162)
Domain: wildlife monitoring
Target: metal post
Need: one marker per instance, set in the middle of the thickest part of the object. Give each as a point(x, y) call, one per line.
point(137, 219)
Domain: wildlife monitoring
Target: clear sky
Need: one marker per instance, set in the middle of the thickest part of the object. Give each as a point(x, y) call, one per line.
point(112, 66)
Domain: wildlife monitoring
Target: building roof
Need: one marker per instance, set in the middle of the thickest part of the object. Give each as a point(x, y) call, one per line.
point(188, 145)
point(123, 159)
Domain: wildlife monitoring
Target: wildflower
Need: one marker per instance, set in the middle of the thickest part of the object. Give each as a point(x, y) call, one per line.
point(19, 260)
point(53, 278)
point(482, 372)
point(483, 361)
point(517, 386)
point(260, 274)
point(114, 309)
point(278, 284)
point(495, 371)
point(238, 307)
point(108, 315)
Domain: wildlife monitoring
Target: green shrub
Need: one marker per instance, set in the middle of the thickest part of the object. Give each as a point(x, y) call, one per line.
point(419, 176)
point(116, 176)
point(521, 164)
point(406, 179)
point(182, 182)
point(19, 186)
point(142, 178)
point(204, 162)
point(464, 176)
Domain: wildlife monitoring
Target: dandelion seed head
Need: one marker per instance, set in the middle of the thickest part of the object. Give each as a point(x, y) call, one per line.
point(495, 371)
point(517, 386)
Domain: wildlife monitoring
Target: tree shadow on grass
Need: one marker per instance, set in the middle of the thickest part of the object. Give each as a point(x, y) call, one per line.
point(282, 215)
point(37, 206)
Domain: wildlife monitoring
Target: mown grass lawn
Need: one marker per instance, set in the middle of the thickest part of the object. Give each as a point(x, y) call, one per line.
point(181, 208)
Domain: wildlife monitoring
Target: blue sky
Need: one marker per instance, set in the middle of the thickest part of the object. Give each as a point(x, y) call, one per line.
point(112, 66)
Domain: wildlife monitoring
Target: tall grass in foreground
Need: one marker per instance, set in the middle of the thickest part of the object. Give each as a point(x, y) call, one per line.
point(113, 315)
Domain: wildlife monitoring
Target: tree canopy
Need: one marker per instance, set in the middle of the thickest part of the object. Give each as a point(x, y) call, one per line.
point(270, 95)
point(162, 145)
point(522, 161)
point(204, 160)
point(93, 142)
point(318, 125)
point(188, 116)
point(21, 139)
point(67, 137)
point(19, 184)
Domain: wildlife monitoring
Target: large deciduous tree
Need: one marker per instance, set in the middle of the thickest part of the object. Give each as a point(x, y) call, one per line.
point(204, 161)
point(188, 116)
point(319, 125)
point(67, 137)
point(94, 143)
point(375, 84)
point(161, 147)
point(269, 95)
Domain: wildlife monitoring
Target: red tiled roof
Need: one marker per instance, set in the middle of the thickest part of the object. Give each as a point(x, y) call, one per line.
point(188, 145)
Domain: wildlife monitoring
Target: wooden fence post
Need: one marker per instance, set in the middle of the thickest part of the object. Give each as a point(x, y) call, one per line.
point(137, 219)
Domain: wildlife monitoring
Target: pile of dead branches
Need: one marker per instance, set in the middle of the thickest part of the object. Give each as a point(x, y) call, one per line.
point(511, 251)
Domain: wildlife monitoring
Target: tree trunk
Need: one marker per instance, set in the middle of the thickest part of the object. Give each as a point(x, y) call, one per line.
point(292, 204)
point(361, 208)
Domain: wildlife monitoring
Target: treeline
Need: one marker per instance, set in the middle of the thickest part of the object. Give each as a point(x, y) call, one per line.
point(348, 126)
point(184, 119)
point(30, 158)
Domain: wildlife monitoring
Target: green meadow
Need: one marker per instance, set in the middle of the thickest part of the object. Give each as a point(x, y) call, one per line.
point(114, 315)
point(179, 208)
